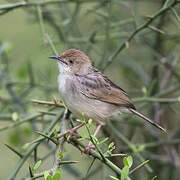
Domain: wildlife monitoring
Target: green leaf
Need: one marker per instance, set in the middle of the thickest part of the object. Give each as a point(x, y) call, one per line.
point(141, 148)
point(127, 44)
point(128, 161)
point(46, 174)
point(49, 177)
point(36, 166)
point(124, 173)
point(144, 90)
point(80, 120)
point(125, 162)
point(15, 116)
point(112, 177)
point(111, 145)
point(91, 122)
point(25, 146)
point(103, 141)
point(154, 178)
point(57, 175)
point(94, 139)
point(83, 138)
point(55, 133)
point(61, 155)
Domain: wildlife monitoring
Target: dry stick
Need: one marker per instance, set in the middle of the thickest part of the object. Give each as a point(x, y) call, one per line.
point(59, 104)
point(32, 147)
point(139, 29)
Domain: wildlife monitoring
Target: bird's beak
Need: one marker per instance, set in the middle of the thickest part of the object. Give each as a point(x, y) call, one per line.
point(58, 58)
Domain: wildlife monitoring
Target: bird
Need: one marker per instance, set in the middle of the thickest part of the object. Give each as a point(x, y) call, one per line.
point(87, 91)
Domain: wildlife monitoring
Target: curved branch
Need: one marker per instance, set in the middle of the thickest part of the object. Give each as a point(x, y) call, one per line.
point(139, 29)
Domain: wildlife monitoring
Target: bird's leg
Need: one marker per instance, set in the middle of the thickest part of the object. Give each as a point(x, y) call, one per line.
point(72, 131)
point(55, 101)
point(90, 145)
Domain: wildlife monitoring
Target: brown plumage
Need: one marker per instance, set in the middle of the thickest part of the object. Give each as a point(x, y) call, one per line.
point(99, 87)
point(85, 90)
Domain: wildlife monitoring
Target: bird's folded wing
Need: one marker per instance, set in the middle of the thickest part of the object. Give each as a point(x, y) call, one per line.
point(101, 88)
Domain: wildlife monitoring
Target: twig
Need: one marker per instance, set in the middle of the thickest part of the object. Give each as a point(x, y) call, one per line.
point(36, 176)
point(139, 166)
point(59, 146)
point(9, 7)
point(12, 125)
point(139, 29)
point(41, 174)
point(59, 104)
point(156, 99)
point(96, 155)
point(47, 137)
point(15, 151)
point(32, 147)
point(131, 146)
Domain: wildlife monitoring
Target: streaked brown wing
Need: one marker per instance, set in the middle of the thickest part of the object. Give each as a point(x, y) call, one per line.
point(96, 86)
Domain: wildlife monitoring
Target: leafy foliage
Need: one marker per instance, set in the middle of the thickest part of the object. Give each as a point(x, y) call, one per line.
point(135, 43)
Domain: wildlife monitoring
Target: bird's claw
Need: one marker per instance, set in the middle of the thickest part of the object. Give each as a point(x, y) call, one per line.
point(72, 133)
point(88, 148)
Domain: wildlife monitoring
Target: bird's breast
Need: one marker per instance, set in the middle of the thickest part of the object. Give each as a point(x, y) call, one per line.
point(69, 92)
point(66, 86)
point(78, 104)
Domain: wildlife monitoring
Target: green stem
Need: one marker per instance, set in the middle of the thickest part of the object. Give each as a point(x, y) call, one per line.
point(156, 99)
point(32, 147)
point(21, 122)
point(98, 156)
point(139, 29)
point(131, 146)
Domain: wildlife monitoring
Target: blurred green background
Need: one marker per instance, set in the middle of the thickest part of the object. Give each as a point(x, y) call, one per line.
point(147, 67)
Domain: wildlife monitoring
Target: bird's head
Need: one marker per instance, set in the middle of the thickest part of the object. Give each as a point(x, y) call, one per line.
point(73, 61)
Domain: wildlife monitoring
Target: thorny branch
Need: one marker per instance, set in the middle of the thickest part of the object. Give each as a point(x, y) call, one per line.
point(157, 97)
point(139, 29)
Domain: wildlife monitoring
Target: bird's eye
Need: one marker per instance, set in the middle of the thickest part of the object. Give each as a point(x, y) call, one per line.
point(71, 62)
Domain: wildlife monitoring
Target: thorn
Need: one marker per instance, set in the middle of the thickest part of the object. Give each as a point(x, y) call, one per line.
point(55, 100)
point(46, 136)
point(68, 162)
point(30, 172)
point(15, 151)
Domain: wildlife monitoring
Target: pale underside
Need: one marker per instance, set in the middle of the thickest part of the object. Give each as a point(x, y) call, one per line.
point(93, 96)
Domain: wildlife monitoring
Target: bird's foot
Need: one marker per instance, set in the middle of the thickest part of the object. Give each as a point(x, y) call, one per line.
point(88, 148)
point(72, 132)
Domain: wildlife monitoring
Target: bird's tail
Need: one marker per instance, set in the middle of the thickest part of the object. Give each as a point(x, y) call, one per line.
point(147, 119)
